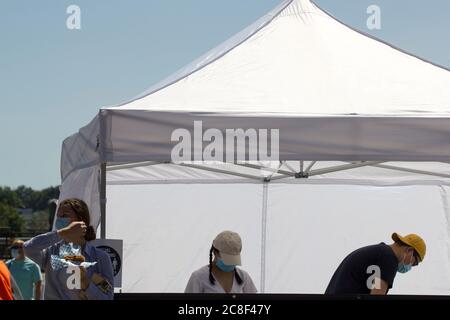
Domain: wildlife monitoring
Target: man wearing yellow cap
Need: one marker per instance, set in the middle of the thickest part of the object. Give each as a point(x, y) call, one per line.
point(372, 269)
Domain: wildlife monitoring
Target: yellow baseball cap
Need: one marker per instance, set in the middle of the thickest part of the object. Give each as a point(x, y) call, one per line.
point(414, 241)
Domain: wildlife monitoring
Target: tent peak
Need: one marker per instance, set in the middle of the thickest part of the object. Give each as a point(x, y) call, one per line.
point(298, 59)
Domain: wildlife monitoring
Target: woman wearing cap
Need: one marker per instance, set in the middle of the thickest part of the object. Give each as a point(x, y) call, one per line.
point(221, 275)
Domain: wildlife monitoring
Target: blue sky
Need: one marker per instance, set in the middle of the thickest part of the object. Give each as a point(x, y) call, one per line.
point(54, 80)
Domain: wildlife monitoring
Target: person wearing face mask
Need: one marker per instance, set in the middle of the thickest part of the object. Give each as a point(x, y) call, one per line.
point(73, 233)
point(25, 272)
point(379, 263)
point(222, 275)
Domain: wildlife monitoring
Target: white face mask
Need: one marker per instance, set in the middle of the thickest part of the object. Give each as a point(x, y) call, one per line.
point(14, 253)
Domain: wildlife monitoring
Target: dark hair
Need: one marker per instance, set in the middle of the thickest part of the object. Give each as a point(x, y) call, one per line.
point(401, 243)
point(80, 208)
point(211, 277)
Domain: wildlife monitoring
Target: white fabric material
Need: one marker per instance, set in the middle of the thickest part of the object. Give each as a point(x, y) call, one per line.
point(334, 95)
point(305, 62)
point(199, 283)
point(80, 150)
point(84, 184)
point(137, 135)
point(308, 237)
point(386, 172)
point(168, 230)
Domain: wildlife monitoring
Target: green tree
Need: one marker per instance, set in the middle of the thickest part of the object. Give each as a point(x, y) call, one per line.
point(36, 200)
point(10, 198)
point(10, 218)
point(39, 221)
point(27, 196)
point(44, 196)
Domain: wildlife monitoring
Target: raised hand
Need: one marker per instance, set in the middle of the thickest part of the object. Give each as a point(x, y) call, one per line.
point(74, 232)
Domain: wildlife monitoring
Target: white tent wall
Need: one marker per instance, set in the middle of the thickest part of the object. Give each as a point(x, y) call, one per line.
point(84, 184)
point(309, 228)
point(168, 229)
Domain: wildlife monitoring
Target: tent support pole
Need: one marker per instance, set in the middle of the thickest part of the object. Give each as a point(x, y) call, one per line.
point(441, 175)
point(134, 165)
point(343, 167)
point(415, 171)
point(242, 175)
point(103, 200)
point(264, 236)
point(308, 169)
point(288, 166)
point(259, 167)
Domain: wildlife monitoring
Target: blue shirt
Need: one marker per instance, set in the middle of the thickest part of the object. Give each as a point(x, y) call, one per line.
point(40, 249)
point(26, 273)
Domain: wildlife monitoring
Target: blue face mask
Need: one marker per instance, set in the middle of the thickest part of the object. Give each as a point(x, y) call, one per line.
point(14, 253)
point(62, 222)
point(403, 268)
point(224, 267)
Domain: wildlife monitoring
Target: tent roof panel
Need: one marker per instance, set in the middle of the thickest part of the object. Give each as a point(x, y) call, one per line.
point(298, 59)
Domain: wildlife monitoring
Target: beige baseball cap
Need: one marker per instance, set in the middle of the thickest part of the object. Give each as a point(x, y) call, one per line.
point(229, 244)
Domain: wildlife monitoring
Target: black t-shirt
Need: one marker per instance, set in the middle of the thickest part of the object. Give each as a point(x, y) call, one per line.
point(352, 274)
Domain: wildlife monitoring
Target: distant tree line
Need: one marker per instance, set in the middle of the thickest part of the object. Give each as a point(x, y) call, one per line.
point(12, 201)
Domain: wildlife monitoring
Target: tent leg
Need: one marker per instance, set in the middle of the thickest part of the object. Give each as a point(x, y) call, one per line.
point(264, 236)
point(103, 200)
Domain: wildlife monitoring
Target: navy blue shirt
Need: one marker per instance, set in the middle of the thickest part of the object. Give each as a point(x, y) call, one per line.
point(352, 274)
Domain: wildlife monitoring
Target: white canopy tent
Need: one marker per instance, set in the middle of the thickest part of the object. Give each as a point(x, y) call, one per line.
point(364, 141)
